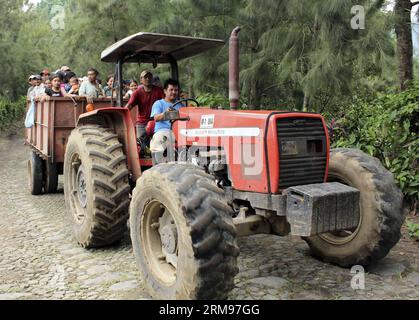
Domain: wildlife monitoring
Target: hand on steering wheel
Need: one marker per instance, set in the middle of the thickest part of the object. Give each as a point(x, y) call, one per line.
point(184, 100)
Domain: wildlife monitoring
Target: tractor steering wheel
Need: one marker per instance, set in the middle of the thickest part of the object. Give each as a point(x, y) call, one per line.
point(184, 100)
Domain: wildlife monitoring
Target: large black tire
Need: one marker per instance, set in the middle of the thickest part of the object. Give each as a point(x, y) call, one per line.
point(35, 174)
point(96, 185)
point(50, 177)
point(206, 237)
point(381, 214)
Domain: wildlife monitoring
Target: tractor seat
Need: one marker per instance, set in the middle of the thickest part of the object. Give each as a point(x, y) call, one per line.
point(149, 129)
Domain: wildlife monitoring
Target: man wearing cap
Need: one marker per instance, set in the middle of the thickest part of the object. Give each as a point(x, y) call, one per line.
point(144, 97)
point(32, 85)
point(65, 68)
point(37, 87)
point(45, 75)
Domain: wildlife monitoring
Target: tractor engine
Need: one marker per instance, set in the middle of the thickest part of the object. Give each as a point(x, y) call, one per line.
point(255, 151)
point(273, 167)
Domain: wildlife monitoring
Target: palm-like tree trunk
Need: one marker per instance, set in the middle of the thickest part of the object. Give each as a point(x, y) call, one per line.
point(403, 29)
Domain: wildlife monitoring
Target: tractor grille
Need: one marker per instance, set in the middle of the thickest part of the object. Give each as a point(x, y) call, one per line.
point(302, 151)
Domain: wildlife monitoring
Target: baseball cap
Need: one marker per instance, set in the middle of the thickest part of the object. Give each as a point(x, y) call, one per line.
point(144, 73)
point(65, 68)
point(35, 76)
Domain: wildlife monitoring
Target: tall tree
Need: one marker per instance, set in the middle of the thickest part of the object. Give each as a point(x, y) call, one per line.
point(317, 50)
point(292, 53)
point(403, 27)
point(10, 21)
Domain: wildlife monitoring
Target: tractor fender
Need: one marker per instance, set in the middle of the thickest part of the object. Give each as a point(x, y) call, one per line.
point(118, 119)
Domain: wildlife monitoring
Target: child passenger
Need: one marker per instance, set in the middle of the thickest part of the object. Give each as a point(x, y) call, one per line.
point(47, 83)
point(74, 90)
point(55, 90)
point(132, 87)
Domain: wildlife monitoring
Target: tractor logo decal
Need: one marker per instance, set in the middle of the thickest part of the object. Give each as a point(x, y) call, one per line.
point(221, 132)
point(207, 121)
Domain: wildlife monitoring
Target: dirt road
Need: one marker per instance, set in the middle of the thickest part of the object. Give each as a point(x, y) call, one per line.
point(39, 259)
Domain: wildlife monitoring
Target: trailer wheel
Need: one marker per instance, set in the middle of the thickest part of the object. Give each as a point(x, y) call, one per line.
point(50, 177)
point(96, 185)
point(35, 173)
point(381, 214)
point(182, 233)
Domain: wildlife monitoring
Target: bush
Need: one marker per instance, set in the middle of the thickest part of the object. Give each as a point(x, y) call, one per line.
point(387, 129)
point(213, 100)
point(413, 229)
point(11, 112)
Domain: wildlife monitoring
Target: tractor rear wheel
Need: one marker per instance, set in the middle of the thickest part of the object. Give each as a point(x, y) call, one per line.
point(96, 185)
point(381, 214)
point(182, 233)
point(35, 173)
point(50, 177)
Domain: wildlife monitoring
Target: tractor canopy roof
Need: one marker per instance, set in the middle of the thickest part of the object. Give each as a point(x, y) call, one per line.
point(157, 48)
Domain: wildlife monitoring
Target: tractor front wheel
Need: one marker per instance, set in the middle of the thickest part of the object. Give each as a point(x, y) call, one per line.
point(182, 233)
point(381, 214)
point(96, 188)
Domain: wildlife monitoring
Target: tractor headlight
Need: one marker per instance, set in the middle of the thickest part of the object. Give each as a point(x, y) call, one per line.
point(289, 148)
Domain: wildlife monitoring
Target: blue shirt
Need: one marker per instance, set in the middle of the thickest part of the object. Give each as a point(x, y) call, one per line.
point(161, 106)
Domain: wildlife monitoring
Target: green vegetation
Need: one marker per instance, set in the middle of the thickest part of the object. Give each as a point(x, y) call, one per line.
point(386, 128)
point(212, 100)
point(11, 112)
point(413, 229)
point(295, 55)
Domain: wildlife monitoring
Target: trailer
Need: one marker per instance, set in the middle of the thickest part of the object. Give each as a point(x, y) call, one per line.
point(55, 118)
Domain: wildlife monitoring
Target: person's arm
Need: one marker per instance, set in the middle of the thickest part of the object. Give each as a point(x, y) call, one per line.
point(40, 91)
point(83, 93)
point(46, 95)
point(101, 92)
point(132, 102)
point(157, 111)
point(159, 117)
point(63, 92)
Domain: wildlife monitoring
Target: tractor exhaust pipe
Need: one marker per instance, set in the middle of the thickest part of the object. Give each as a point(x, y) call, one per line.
point(233, 69)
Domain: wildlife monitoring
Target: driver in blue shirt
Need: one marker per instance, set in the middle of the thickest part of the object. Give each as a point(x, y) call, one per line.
point(163, 139)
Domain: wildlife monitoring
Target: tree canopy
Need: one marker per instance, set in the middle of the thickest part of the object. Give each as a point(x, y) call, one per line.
point(294, 54)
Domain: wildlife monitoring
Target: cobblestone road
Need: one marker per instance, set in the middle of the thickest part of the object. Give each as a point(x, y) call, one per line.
point(39, 259)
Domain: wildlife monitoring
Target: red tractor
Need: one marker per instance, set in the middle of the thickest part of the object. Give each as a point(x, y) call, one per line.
point(237, 172)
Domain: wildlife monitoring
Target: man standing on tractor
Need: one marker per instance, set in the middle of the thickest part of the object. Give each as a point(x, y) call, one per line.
point(144, 97)
point(163, 141)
